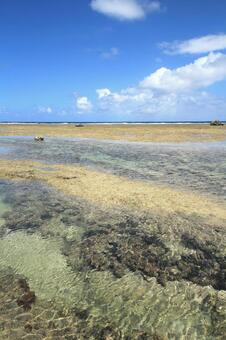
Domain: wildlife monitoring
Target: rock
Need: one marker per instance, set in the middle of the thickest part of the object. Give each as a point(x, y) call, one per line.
point(39, 139)
point(26, 300)
point(22, 283)
point(216, 123)
point(79, 125)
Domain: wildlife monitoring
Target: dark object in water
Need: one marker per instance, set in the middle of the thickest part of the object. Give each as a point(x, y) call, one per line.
point(39, 139)
point(28, 327)
point(23, 285)
point(216, 123)
point(28, 298)
point(79, 125)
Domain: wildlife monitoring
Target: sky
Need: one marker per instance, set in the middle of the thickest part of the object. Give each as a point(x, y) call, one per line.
point(112, 60)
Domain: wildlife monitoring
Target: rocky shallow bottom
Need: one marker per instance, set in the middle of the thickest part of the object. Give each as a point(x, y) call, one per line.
point(70, 270)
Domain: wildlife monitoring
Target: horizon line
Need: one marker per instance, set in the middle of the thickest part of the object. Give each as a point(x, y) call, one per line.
point(107, 122)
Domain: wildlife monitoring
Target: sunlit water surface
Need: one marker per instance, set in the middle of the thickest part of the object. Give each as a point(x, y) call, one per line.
point(71, 270)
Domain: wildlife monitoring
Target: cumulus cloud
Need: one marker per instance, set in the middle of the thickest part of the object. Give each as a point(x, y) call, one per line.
point(106, 93)
point(83, 104)
point(125, 9)
point(146, 104)
point(168, 93)
point(133, 95)
point(206, 44)
point(201, 73)
point(103, 93)
point(113, 52)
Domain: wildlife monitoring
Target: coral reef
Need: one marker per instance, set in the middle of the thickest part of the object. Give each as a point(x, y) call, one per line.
point(131, 248)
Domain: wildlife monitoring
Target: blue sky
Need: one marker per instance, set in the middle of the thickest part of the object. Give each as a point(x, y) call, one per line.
point(112, 60)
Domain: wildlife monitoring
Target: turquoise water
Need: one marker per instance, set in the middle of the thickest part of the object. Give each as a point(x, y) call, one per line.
point(72, 270)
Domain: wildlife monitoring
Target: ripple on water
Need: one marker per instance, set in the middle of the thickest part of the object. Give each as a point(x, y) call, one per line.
point(109, 273)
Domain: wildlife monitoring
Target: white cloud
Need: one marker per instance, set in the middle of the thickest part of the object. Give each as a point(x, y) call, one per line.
point(125, 9)
point(167, 94)
point(44, 109)
point(134, 95)
point(201, 73)
point(83, 104)
point(103, 93)
point(170, 94)
point(113, 52)
point(146, 104)
point(106, 93)
point(208, 43)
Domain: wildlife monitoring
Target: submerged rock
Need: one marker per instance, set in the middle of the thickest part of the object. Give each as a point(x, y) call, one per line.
point(27, 300)
point(39, 139)
point(130, 248)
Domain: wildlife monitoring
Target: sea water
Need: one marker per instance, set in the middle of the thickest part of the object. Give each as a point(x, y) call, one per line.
point(112, 273)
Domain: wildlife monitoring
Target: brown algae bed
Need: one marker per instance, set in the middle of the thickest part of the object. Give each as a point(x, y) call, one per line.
point(142, 133)
point(110, 190)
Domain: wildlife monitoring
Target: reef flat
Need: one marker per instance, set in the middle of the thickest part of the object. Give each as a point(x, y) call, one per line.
point(112, 241)
point(144, 132)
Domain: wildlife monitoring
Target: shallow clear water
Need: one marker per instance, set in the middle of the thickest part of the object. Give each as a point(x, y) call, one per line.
point(71, 270)
point(196, 166)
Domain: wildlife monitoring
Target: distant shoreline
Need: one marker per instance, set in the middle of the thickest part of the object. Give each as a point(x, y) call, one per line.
point(111, 123)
